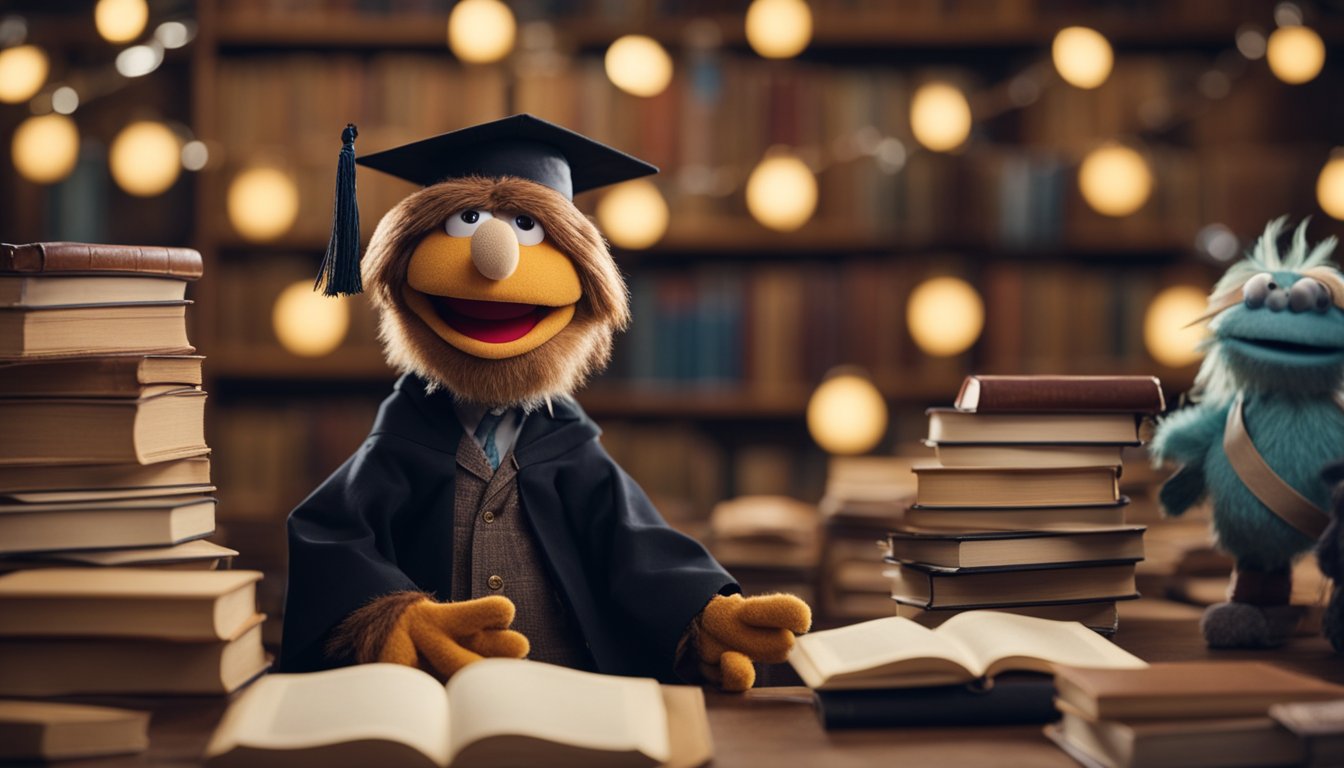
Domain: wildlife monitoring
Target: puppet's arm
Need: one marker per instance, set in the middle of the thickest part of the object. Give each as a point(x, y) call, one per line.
point(732, 632)
point(1185, 438)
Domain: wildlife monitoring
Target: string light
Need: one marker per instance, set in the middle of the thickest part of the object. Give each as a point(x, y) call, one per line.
point(45, 148)
point(481, 31)
point(1082, 56)
point(309, 324)
point(1115, 180)
point(139, 60)
point(940, 116)
point(782, 193)
point(1165, 331)
point(1295, 54)
point(64, 100)
point(263, 203)
point(195, 155)
point(846, 414)
point(23, 70)
point(145, 158)
point(1330, 186)
point(120, 21)
point(779, 29)
point(638, 65)
point(174, 34)
point(945, 316)
point(633, 215)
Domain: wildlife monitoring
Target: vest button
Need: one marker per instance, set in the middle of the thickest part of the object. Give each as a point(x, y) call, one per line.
point(488, 517)
point(495, 582)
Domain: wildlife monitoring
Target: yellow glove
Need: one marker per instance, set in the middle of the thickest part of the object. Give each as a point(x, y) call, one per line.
point(449, 636)
point(736, 631)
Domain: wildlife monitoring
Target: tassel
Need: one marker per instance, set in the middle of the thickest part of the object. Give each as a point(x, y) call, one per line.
point(339, 273)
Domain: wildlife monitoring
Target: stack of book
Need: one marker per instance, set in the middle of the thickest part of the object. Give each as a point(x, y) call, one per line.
point(1022, 511)
point(105, 493)
point(1186, 715)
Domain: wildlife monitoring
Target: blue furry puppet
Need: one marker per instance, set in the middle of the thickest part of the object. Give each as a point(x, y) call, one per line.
point(1267, 418)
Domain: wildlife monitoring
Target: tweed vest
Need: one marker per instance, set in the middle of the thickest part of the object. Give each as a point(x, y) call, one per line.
point(495, 552)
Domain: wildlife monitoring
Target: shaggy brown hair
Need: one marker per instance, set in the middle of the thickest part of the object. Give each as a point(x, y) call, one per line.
point(556, 368)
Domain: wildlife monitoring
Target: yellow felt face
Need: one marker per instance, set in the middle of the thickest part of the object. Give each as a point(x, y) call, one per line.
point(529, 299)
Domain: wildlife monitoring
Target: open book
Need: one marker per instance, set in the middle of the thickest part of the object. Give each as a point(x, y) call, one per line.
point(495, 712)
point(898, 653)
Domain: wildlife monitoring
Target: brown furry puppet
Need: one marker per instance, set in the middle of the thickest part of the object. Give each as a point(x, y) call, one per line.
point(482, 516)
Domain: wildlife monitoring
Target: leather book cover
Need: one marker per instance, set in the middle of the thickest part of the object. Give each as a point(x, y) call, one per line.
point(1036, 394)
point(91, 258)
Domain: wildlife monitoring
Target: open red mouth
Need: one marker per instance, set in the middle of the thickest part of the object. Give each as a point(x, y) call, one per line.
point(494, 322)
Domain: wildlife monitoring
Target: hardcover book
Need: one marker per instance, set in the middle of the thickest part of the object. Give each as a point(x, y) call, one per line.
point(1054, 394)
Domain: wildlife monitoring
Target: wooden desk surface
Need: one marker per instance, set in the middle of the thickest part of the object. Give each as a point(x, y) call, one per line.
point(777, 726)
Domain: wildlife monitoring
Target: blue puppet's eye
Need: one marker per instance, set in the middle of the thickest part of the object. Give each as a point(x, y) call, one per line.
point(1308, 294)
point(1257, 290)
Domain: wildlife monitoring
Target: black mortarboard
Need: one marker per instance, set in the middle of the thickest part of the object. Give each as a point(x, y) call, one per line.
point(520, 145)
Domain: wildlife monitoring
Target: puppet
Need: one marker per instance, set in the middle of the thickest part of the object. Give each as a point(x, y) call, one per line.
point(482, 517)
point(1267, 418)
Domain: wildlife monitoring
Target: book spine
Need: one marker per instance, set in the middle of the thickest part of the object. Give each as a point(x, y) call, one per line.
point(1018, 703)
point(181, 263)
point(1050, 394)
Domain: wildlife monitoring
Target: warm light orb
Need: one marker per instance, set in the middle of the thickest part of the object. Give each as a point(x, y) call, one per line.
point(945, 316)
point(782, 193)
point(481, 31)
point(307, 323)
point(1115, 180)
point(779, 29)
point(940, 116)
point(633, 215)
point(1330, 186)
point(1082, 56)
point(45, 148)
point(846, 414)
point(638, 65)
point(145, 158)
point(23, 70)
point(120, 21)
point(1295, 54)
point(1165, 331)
point(263, 203)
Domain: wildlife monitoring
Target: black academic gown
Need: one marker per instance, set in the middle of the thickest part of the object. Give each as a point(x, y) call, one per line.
point(383, 522)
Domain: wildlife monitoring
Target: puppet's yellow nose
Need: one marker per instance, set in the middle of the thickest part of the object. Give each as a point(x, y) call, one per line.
point(494, 249)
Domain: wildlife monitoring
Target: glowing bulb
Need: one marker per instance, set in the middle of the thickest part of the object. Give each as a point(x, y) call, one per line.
point(940, 116)
point(782, 193)
point(139, 60)
point(1115, 180)
point(1165, 331)
point(1330, 187)
point(846, 414)
point(145, 158)
point(638, 65)
point(1295, 54)
point(23, 70)
point(307, 323)
point(633, 215)
point(195, 155)
point(64, 100)
point(120, 21)
point(1082, 56)
point(481, 31)
point(945, 316)
point(45, 148)
point(263, 203)
point(779, 29)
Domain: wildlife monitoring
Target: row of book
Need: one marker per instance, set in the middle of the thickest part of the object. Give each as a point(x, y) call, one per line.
point(105, 493)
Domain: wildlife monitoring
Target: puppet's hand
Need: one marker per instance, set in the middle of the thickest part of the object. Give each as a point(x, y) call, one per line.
point(449, 636)
point(735, 631)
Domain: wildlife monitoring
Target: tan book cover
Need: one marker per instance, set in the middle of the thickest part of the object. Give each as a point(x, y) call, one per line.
point(132, 376)
point(1013, 487)
point(105, 524)
point(493, 712)
point(947, 425)
point(1015, 518)
point(111, 329)
point(971, 549)
point(89, 431)
point(931, 586)
point(47, 730)
point(198, 555)
point(127, 602)
point(17, 481)
point(53, 290)
point(1246, 742)
point(1100, 616)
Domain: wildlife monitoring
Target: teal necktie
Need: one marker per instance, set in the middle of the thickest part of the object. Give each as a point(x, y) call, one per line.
point(485, 435)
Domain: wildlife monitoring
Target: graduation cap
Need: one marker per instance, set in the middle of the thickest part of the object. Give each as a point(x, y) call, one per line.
point(522, 146)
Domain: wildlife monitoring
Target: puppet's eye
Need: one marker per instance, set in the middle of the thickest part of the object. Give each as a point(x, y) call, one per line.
point(464, 223)
point(1308, 294)
point(527, 229)
point(1257, 290)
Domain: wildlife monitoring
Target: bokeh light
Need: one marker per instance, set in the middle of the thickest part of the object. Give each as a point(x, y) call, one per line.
point(1166, 331)
point(779, 29)
point(145, 158)
point(940, 116)
point(638, 65)
point(23, 70)
point(1295, 54)
point(1115, 180)
point(307, 323)
point(1330, 186)
point(45, 148)
point(782, 193)
point(1082, 56)
point(120, 21)
point(846, 414)
point(481, 31)
point(263, 203)
point(633, 215)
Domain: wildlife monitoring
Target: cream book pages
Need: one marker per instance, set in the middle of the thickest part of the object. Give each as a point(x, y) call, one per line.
point(898, 653)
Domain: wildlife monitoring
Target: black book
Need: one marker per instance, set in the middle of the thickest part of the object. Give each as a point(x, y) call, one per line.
point(1009, 699)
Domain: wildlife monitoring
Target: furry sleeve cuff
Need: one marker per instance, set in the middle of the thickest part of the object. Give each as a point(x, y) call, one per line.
point(363, 633)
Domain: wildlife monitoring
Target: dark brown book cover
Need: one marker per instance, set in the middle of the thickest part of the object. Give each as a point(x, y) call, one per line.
point(91, 258)
point(1038, 394)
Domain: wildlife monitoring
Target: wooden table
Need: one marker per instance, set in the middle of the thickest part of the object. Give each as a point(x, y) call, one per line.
point(777, 726)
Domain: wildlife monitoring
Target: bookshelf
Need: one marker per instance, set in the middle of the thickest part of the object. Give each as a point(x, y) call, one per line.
point(1065, 288)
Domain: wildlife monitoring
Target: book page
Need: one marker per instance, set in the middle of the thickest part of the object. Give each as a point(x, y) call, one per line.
point(368, 702)
point(877, 647)
point(504, 711)
point(997, 641)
